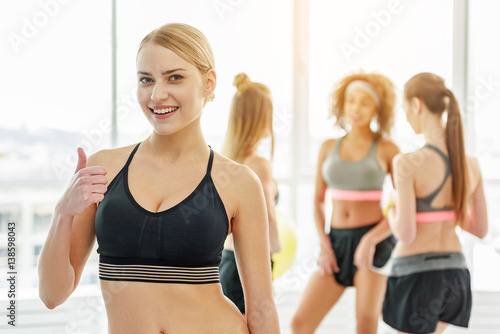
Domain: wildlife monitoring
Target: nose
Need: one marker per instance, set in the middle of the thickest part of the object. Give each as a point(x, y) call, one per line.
point(159, 93)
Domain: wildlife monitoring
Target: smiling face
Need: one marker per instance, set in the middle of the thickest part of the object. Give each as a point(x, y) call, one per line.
point(170, 90)
point(359, 108)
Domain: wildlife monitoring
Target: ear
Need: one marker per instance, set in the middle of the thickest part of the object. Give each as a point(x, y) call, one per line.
point(210, 82)
point(416, 104)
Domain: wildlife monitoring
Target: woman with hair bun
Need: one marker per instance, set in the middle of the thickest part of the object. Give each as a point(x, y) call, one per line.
point(438, 188)
point(161, 212)
point(351, 171)
point(250, 121)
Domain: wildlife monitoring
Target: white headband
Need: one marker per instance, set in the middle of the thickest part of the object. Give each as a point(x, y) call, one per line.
point(363, 85)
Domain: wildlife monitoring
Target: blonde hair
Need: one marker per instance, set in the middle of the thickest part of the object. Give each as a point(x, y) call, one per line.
point(383, 88)
point(187, 42)
point(432, 91)
point(250, 118)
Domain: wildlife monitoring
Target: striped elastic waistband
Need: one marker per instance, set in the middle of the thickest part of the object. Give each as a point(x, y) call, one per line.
point(158, 274)
point(355, 195)
point(412, 264)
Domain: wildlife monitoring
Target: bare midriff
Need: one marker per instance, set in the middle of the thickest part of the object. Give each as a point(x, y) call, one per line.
point(137, 307)
point(352, 214)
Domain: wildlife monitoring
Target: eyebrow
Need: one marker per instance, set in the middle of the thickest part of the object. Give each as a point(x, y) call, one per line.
point(164, 73)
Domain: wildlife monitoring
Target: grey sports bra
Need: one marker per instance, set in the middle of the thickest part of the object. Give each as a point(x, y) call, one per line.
point(424, 203)
point(353, 175)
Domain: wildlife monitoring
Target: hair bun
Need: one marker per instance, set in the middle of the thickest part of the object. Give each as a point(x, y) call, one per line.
point(242, 82)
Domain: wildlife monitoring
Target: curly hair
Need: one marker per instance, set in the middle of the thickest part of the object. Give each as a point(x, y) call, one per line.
point(384, 89)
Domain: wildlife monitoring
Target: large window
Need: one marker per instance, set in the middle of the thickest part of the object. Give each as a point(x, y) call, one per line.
point(57, 94)
point(481, 106)
point(55, 62)
point(381, 36)
point(57, 56)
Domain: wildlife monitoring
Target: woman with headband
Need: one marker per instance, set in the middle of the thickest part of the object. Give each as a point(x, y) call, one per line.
point(438, 188)
point(162, 209)
point(250, 121)
point(351, 172)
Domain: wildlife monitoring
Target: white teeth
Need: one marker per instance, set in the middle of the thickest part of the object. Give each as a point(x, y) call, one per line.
point(165, 111)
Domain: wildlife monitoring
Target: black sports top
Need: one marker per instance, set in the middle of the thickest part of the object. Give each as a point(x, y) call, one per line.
point(180, 245)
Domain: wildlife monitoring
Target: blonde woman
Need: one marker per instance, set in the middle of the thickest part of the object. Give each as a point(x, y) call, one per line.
point(162, 209)
point(250, 121)
point(352, 170)
point(438, 188)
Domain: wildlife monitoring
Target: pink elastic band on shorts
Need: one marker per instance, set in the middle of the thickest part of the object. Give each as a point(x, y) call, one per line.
point(435, 216)
point(355, 195)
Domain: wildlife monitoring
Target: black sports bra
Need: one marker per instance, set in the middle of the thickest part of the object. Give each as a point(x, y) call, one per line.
point(180, 245)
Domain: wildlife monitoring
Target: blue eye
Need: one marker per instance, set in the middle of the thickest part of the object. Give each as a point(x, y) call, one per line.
point(175, 77)
point(145, 80)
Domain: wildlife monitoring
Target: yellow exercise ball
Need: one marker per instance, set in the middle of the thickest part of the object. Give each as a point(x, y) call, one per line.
point(285, 258)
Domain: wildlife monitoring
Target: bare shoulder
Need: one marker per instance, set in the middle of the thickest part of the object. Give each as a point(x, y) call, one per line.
point(388, 146)
point(403, 164)
point(111, 159)
point(327, 146)
point(230, 174)
point(234, 182)
point(260, 166)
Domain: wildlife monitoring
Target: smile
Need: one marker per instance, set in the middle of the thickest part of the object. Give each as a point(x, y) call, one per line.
point(163, 111)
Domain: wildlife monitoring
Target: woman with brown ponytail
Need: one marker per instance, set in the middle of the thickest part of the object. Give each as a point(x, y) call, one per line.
point(250, 121)
point(437, 188)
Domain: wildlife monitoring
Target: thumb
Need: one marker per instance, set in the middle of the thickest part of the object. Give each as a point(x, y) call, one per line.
point(335, 266)
point(82, 160)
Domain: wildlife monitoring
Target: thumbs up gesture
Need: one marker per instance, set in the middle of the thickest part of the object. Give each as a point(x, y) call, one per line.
point(87, 186)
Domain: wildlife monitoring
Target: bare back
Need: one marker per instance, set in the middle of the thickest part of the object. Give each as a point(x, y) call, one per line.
point(428, 172)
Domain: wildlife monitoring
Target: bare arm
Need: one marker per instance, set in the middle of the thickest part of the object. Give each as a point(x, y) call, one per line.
point(476, 222)
point(71, 235)
point(319, 197)
point(326, 260)
point(251, 244)
point(363, 256)
point(262, 168)
point(402, 216)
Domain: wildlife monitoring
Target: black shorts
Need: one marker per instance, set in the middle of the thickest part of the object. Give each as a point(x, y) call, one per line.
point(230, 280)
point(344, 242)
point(424, 289)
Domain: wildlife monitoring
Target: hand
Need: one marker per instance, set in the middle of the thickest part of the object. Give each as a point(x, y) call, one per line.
point(327, 261)
point(87, 186)
point(363, 256)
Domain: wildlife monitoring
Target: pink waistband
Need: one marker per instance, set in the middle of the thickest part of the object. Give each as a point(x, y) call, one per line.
point(435, 216)
point(355, 195)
